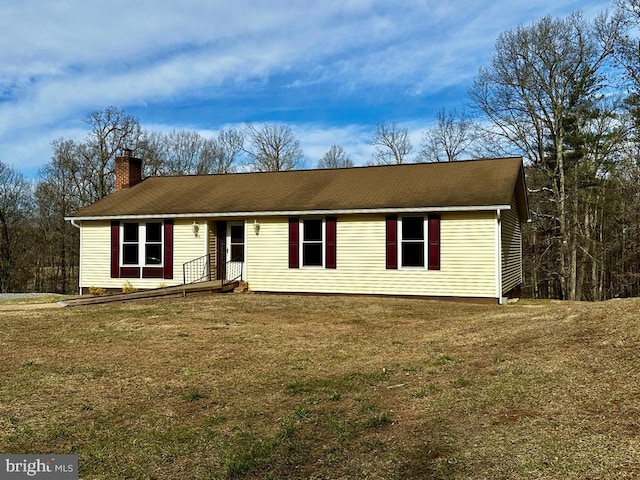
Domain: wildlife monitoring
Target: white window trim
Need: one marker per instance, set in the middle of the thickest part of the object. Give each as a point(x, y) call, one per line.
point(142, 242)
point(323, 243)
point(425, 243)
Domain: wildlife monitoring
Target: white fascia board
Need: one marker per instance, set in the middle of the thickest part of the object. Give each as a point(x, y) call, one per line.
point(288, 213)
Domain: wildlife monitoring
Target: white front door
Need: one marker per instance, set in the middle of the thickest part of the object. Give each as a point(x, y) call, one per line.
point(235, 251)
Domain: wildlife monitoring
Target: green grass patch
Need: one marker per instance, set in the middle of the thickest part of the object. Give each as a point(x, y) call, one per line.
point(424, 391)
point(378, 420)
point(194, 395)
point(443, 360)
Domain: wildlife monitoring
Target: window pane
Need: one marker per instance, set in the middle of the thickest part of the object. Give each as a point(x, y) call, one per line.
point(237, 253)
point(312, 254)
point(313, 230)
point(130, 254)
point(413, 228)
point(153, 254)
point(413, 254)
point(237, 233)
point(154, 232)
point(130, 232)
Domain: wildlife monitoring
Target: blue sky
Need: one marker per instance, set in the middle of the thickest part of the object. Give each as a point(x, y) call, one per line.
point(331, 70)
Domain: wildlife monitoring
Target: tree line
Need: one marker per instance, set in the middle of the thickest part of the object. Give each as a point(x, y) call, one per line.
point(562, 92)
point(39, 250)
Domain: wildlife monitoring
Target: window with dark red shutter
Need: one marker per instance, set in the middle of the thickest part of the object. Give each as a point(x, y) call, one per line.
point(312, 242)
point(142, 250)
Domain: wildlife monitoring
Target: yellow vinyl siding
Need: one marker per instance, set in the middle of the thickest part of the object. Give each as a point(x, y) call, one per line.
point(467, 260)
point(511, 249)
point(95, 259)
point(95, 255)
point(186, 246)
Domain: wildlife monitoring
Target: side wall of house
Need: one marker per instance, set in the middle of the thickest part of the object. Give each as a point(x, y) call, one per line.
point(511, 249)
point(467, 261)
point(95, 259)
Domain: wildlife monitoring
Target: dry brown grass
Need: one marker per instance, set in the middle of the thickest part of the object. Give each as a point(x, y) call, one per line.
point(258, 386)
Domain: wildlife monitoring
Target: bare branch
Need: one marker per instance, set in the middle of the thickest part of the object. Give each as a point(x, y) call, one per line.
point(392, 143)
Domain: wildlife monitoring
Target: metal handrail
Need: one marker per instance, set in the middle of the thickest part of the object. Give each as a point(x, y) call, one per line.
point(197, 270)
point(233, 270)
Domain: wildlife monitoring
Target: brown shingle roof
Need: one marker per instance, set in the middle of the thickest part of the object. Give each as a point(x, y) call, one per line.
point(453, 184)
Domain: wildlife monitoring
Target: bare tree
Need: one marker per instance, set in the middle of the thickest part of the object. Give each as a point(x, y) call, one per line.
point(543, 83)
point(392, 143)
point(111, 130)
point(61, 189)
point(153, 149)
point(220, 154)
point(453, 135)
point(15, 196)
point(183, 152)
point(272, 148)
point(336, 157)
point(628, 46)
point(627, 53)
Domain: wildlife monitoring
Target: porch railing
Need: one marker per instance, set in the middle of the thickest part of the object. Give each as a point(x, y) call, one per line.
point(197, 270)
point(233, 271)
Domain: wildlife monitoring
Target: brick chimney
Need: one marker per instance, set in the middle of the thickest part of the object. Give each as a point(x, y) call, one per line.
point(128, 170)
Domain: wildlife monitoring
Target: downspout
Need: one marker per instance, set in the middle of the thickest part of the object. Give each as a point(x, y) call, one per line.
point(73, 222)
point(499, 258)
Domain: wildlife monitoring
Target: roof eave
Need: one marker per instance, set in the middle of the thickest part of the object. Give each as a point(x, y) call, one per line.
point(285, 213)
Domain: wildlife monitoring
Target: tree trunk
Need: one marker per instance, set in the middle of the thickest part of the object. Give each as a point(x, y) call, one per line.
point(561, 197)
point(5, 256)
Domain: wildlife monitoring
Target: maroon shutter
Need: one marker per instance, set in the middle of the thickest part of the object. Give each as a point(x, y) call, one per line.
point(392, 242)
point(434, 242)
point(221, 250)
point(331, 242)
point(115, 249)
point(294, 242)
point(168, 249)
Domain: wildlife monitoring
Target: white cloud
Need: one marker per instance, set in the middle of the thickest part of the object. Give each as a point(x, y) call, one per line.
point(316, 139)
point(29, 152)
point(60, 60)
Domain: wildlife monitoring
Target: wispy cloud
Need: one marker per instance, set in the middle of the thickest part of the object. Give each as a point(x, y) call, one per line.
point(328, 64)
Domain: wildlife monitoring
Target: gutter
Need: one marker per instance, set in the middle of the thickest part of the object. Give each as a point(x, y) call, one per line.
point(473, 208)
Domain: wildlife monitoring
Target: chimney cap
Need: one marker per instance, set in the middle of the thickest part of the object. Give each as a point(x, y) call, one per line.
point(126, 152)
